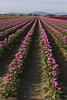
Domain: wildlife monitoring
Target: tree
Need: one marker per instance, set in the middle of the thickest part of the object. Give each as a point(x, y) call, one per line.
point(30, 14)
point(20, 15)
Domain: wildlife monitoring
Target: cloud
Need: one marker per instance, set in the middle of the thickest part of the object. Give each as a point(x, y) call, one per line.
point(33, 5)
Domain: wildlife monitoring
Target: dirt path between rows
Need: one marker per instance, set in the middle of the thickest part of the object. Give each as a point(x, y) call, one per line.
point(33, 85)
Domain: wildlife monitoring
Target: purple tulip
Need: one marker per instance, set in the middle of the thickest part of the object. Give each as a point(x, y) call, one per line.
point(11, 83)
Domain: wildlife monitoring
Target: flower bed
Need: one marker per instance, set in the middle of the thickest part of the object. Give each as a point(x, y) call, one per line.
point(16, 67)
point(5, 50)
point(7, 32)
point(51, 66)
point(62, 39)
point(8, 23)
point(6, 40)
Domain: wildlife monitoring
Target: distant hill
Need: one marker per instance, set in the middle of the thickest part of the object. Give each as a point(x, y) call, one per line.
point(13, 13)
point(37, 12)
point(40, 13)
point(60, 13)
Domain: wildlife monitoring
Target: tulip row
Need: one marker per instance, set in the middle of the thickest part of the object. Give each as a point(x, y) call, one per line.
point(16, 67)
point(59, 17)
point(61, 23)
point(12, 35)
point(61, 38)
point(7, 23)
point(51, 66)
point(6, 49)
point(55, 26)
point(16, 26)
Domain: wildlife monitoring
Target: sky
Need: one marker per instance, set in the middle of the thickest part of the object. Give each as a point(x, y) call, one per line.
point(27, 6)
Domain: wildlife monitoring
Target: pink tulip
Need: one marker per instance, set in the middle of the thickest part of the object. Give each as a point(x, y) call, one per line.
point(59, 89)
point(6, 82)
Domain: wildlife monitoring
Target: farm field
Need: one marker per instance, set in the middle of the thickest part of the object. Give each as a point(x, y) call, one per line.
point(9, 17)
point(59, 17)
point(33, 58)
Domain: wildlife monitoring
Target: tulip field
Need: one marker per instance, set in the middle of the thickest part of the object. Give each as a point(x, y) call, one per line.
point(33, 58)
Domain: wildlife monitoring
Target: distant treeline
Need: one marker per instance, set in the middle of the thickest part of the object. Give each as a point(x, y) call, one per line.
point(30, 14)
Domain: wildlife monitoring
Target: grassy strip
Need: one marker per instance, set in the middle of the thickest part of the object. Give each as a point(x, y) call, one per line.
point(9, 17)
